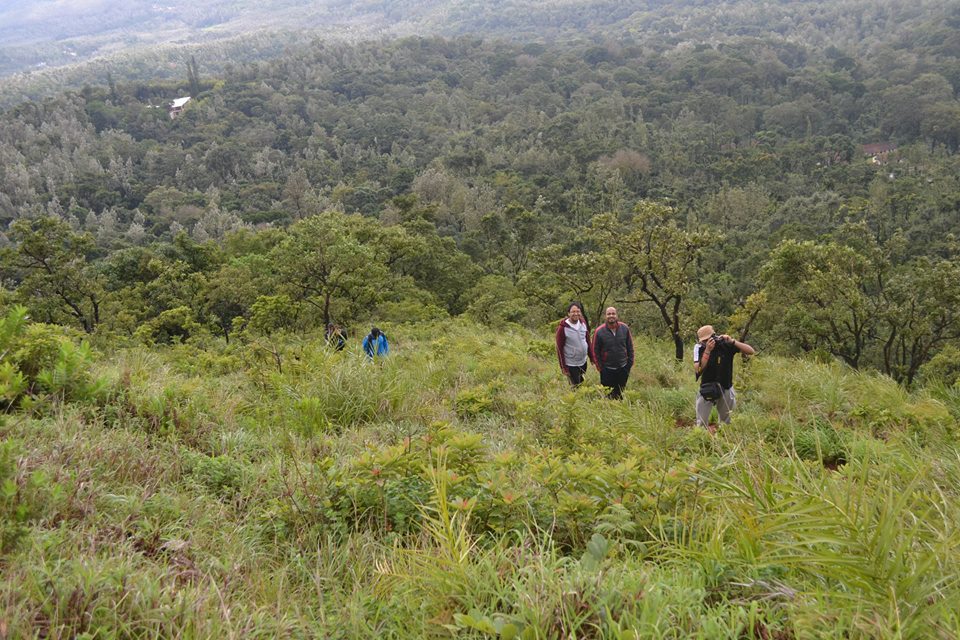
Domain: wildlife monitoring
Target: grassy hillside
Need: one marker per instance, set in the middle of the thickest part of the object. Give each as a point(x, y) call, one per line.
point(273, 488)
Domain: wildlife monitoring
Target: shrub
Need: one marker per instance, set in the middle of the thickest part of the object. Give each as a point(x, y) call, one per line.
point(38, 347)
point(69, 376)
point(22, 497)
point(173, 325)
point(43, 359)
point(410, 311)
point(471, 403)
point(821, 442)
point(272, 313)
point(495, 300)
point(943, 368)
point(220, 475)
point(542, 348)
point(311, 417)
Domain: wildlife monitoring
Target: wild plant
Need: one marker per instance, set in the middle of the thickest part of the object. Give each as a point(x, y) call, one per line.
point(41, 364)
point(872, 540)
point(336, 498)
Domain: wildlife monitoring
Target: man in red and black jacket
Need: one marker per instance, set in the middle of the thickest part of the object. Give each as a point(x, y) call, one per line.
point(613, 350)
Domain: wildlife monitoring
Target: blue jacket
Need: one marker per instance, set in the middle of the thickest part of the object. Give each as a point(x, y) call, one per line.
point(376, 346)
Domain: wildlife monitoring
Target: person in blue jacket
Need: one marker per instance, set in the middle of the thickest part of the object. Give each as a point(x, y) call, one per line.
point(375, 344)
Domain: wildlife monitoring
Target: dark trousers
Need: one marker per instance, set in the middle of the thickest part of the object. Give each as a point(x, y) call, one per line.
point(576, 374)
point(615, 380)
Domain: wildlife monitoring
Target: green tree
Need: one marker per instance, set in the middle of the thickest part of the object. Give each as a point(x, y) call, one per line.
point(233, 289)
point(559, 274)
point(921, 315)
point(415, 250)
point(823, 297)
point(193, 78)
point(51, 264)
point(322, 261)
point(494, 300)
point(508, 238)
point(298, 195)
point(659, 259)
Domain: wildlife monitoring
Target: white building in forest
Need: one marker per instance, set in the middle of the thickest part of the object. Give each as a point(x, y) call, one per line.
point(176, 107)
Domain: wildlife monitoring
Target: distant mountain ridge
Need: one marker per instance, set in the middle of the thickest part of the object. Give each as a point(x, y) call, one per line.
point(45, 34)
point(38, 33)
point(48, 45)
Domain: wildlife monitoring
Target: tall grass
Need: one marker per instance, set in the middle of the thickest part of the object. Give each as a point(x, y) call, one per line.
point(460, 488)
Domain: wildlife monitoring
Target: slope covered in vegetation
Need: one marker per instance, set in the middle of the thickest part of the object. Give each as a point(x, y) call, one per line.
point(209, 468)
point(276, 488)
point(523, 173)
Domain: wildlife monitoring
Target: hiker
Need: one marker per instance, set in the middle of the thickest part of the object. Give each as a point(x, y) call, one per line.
point(613, 353)
point(375, 344)
point(336, 337)
point(574, 347)
point(713, 366)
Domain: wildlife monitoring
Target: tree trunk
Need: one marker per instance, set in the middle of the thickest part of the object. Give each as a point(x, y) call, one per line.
point(675, 330)
point(678, 346)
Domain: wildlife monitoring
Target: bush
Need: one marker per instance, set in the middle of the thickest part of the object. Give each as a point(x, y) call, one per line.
point(943, 368)
point(69, 377)
point(38, 347)
point(21, 497)
point(43, 359)
point(173, 325)
point(821, 442)
point(542, 348)
point(496, 300)
point(272, 313)
point(471, 403)
point(410, 311)
point(220, 475)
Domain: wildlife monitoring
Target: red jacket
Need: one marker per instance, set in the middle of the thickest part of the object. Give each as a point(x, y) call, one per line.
point(562, 340)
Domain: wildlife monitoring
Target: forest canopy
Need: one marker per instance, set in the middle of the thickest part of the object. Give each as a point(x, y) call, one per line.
point(811, 181)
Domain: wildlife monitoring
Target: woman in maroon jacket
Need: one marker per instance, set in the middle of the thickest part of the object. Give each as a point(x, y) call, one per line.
point(574, 347)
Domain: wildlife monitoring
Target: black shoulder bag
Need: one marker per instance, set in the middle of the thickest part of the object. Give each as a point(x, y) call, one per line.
point(709, 391)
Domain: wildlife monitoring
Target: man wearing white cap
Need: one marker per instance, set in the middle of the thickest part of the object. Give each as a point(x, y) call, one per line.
point(713, 365)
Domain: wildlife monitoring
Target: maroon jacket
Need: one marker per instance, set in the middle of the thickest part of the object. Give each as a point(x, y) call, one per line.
point(562, 340)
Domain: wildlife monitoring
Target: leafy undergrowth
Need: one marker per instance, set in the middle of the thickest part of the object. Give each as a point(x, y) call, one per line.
point(460, 489)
